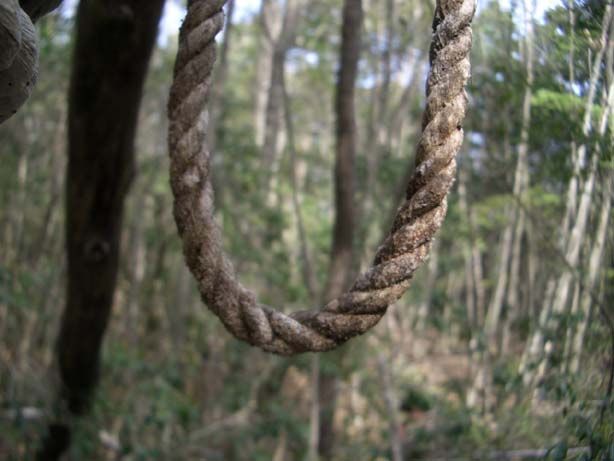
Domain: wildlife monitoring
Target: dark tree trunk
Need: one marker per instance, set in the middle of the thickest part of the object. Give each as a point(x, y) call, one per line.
point(343, 236)
point(113, 46)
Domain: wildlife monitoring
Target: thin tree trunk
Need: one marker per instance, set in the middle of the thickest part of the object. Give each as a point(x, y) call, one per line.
point(579, 157)
point(532, 262)
point(575, 340)
point(138, 258)
point(309, 277)
point(534, 347)
point(536, 341)
point(216, 118)
point(578, 234)
point(270, 21)
point(495, 306)
point(105, 95)
point(308, 273)
point(510, 253)
point(56, 167)
point(343, 233)
point(314, 415)
point(396, 443)
point(478, 277)
point(572, 192)
point(470, 282)
point(593, 275)
point(377, 138)
point(571, 327)
point(514, 286)
point(282, 447)
point(594, 268)
point(429, 286)
point(274, 109)
point(21, 206)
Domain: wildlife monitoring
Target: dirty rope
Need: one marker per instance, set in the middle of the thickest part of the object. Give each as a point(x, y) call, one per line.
point(402, 252)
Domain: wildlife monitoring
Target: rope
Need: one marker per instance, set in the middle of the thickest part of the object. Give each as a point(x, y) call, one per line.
point(18, 58)
point(398, 257)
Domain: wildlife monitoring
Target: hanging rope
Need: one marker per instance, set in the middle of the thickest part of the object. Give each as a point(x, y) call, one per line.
point(415, 225)
point(18, 58)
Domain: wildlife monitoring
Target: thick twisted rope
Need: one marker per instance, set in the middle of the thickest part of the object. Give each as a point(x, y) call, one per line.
point(401, 253)
point(18, 58)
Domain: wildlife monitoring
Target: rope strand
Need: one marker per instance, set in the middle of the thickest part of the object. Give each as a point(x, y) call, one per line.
point(402, 252)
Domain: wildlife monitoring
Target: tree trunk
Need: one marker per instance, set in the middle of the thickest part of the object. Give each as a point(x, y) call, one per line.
point(495, 308)
point(270, 20)
point(579, 156)
point(216, 119)
point(572, 190)
point(513, 233)
point(343, 233)
point(274, 107)
point(514, 286)
point(510, 253)
point(138, 257)
point(308, 273)
point(594, 267)
point(478, 278)
point(535, 345)
point(377, 135)
point(307, 269)
point(470, 282)
point(577, 236)
point(105, 94)
point(314, 416)
point(392, 405)
point(429, 286)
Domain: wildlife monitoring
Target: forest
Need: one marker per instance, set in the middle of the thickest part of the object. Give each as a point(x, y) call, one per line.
point(439, 297)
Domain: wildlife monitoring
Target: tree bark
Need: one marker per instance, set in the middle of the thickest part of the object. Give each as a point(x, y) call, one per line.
point(343, 233)
point(105, 94)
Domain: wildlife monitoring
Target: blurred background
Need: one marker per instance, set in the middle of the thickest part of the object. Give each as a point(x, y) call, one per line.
point(504, 341)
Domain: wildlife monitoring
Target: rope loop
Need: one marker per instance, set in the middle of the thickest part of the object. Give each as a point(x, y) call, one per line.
point(417, 220)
